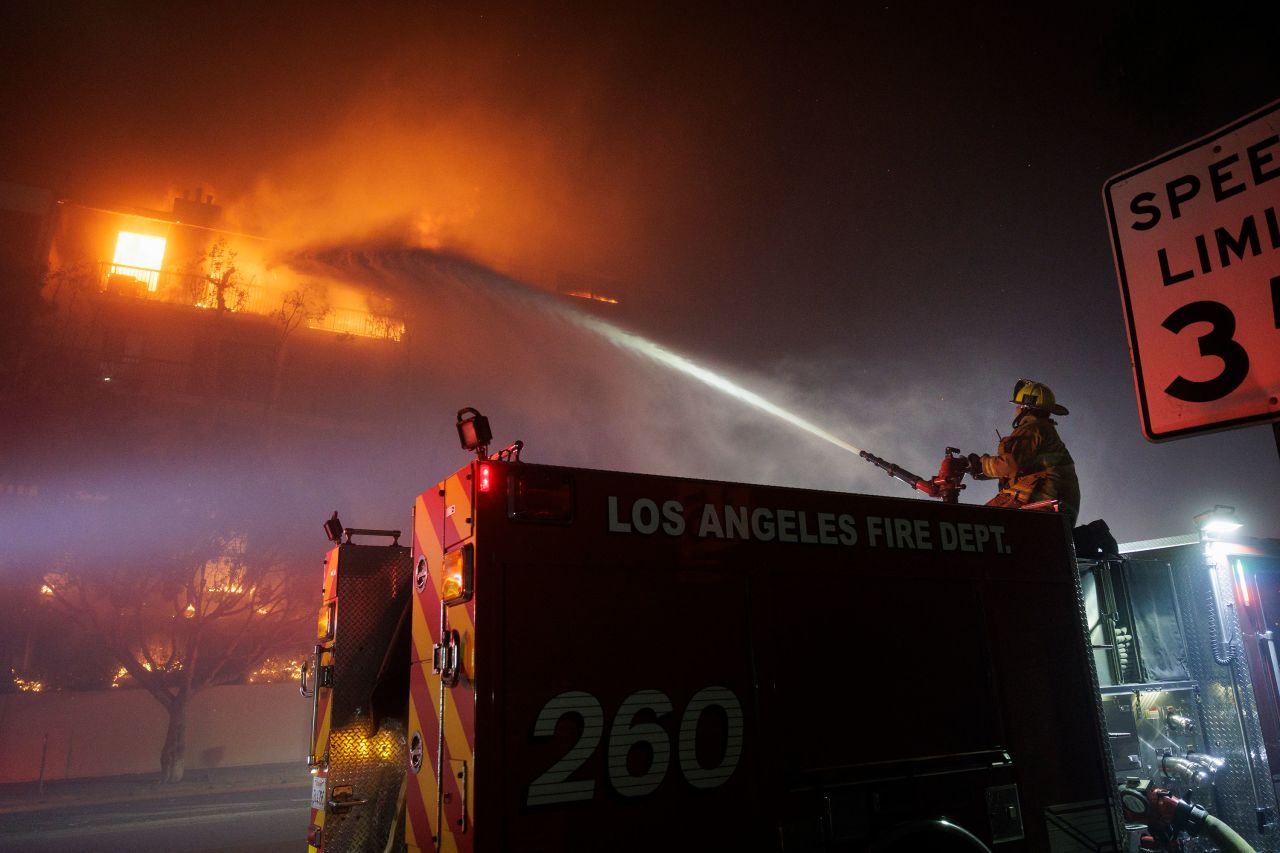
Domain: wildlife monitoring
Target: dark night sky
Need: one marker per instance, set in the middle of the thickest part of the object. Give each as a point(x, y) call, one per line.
point(881, 216)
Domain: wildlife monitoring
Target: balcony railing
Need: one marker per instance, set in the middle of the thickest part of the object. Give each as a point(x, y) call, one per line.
point(349, 321)
point(180, 288)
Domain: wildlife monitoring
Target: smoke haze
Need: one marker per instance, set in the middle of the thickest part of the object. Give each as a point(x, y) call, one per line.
point(875, 221)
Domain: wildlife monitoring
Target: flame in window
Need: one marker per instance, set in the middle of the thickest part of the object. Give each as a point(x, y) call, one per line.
point(139, 256)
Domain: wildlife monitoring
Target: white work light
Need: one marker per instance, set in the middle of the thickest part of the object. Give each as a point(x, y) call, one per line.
point(1220, 519)
point(474, 432)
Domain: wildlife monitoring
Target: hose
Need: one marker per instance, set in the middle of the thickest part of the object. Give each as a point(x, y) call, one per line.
point(1227, 839)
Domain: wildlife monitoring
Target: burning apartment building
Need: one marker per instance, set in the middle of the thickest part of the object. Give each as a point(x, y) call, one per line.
point(176, 305)
point(163, 365)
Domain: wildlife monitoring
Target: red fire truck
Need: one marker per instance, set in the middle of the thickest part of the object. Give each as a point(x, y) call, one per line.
point(571, 659)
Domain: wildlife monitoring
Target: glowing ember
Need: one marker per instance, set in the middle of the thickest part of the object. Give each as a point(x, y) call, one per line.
point(593, 297)
point(276, 669)
point(158, 657)
point(139, 256)
point(25, 685)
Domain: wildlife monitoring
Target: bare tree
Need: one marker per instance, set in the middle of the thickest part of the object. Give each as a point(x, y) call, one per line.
point(45, 344)
point(67, 290)
point(304, 304)
point(221, 284)
point(300, 305)
point(384, 321)
point(20, 279)
point(204, 615)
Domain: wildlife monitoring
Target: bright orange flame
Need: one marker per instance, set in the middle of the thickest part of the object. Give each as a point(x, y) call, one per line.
point(593, 297)
point(139, 256)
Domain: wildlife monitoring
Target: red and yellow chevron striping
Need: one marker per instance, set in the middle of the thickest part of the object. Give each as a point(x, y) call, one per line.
point(443, 716)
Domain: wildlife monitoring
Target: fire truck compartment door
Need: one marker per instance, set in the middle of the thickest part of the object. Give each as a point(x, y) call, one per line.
point(454, 801)
point(458, 518)
point(606, 744)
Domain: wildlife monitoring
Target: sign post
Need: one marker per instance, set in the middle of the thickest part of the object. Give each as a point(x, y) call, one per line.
point(1196, 238)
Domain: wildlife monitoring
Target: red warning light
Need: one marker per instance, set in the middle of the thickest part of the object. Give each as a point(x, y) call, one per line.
point(486, 477)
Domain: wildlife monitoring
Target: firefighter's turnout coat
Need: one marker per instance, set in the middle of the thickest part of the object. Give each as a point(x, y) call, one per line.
point(1032, 465)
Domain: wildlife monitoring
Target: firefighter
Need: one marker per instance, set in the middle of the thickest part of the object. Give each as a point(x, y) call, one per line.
point(1031, 462)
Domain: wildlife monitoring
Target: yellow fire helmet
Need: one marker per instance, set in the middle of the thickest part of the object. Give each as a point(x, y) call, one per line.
point(1036, 395)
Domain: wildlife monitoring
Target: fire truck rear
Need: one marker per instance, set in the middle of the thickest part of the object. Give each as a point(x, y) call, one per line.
point(572, 659)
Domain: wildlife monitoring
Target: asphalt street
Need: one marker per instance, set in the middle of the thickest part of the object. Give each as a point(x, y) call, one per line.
point(261, 821)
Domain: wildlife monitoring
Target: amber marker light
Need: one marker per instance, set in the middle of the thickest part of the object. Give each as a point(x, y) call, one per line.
point(456, 584)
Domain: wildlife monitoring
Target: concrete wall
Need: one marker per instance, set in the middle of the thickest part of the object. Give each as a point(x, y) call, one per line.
point(115, 732)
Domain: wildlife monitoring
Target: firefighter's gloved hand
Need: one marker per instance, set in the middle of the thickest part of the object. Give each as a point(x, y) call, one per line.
point(975, 467)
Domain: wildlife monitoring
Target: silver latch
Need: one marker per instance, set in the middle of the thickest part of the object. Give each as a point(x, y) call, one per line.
point(344, 798)
point(446, 658)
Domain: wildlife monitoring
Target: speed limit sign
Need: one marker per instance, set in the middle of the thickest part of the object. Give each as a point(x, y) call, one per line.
point(1196, 238)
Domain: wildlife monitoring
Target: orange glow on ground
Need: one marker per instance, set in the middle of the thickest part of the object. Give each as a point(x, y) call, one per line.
point(139, 256)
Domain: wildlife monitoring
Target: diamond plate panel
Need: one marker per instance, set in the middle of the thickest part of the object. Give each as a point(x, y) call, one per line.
point(373, 765)
point(366, 767)
point(1227, 709)
point(373, 585)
